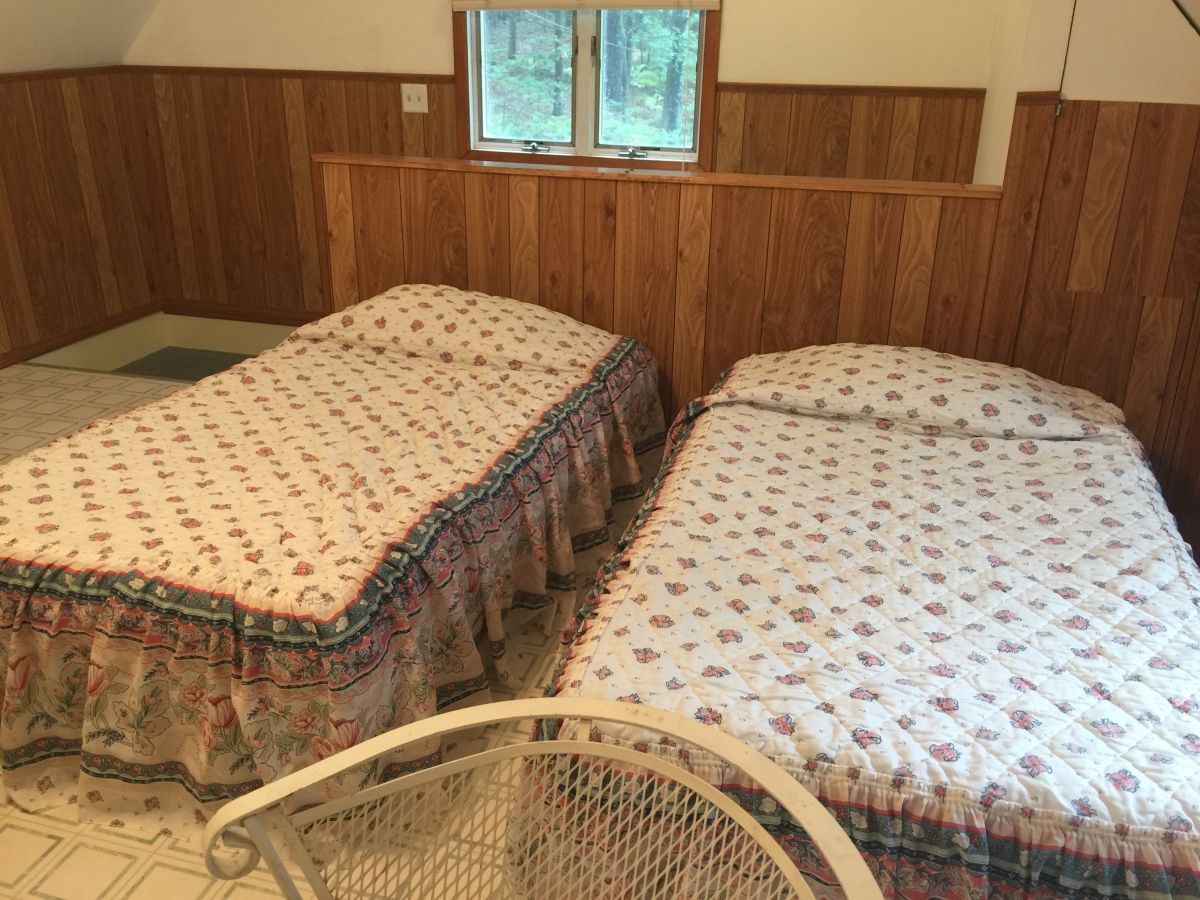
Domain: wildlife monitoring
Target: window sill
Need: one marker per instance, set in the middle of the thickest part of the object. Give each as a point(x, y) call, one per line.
point(590, 162)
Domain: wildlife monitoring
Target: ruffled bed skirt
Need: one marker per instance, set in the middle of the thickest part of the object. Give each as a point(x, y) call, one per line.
point(924, 841)
point(143, 701)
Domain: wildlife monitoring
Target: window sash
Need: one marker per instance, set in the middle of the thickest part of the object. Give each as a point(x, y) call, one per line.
point(586, 87)
point(476, 5)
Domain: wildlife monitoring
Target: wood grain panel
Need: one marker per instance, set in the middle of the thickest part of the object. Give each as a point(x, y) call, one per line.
point(17, 309)
point(1024, 179)
point(523, 235)
point(378, 218)
point(385, 108)
point(201, 192)
point(766, 134)
point(871, 252)
point(1150, 365)
point(691, 294)
point(435, 203)
point(439, 122)
point(1159, 165)
point(1046, 312)
point(236, 187)
point(731, 124)
point(137, 121)
point(843, 131)
point(819, 138)
point(358, 116)
point(487, 234)
point(939, 138)
point(276, 192)
point(1103, 191)
point(181, 216)
point(90, 197)
point(560, 221)
point(78, 259)
point(341, 235)
point(737, 273)
point(1183, 279)
point(1101, 344)
point(1175, 398)
point(32, 213)
point(870, 136)
point(804, 268)
point(914, 270)
point(645, 269)
point(599, 253)
point(902, 144)
point(968, 141)
point(303, 201)
point(960, 273)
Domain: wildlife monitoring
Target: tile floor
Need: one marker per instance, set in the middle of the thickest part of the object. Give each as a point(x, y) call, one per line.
point(40, 403)
point(51, 855)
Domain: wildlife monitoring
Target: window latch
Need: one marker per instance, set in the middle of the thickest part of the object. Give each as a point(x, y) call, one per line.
point(633, 153)
point(534, 147)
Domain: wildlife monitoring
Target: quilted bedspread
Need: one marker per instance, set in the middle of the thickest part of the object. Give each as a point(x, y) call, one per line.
point(948, 597)
point(288, 558)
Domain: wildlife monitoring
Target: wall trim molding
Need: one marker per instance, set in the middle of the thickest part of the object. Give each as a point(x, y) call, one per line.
point(49, 74)
point(29, 351)
point(859, 89)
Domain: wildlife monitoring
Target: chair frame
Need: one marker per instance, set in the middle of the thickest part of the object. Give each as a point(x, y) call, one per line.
point(242, 823)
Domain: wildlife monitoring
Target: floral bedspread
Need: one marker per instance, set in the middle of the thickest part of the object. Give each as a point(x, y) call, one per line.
point(295, 555)
point(948, 597)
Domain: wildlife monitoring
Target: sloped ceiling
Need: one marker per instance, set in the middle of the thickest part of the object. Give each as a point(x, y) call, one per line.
point(57, 34)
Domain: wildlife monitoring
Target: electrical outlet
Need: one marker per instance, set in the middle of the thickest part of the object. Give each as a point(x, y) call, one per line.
point(416, 98)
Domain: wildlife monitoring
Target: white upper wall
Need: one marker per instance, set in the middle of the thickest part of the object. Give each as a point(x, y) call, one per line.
point(356, 36)
point(921, 42)
point(65, 34)
point(1124, 50)
point(931, 43)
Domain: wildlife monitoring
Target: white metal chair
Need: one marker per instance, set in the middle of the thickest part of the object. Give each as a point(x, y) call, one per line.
point(557, 818)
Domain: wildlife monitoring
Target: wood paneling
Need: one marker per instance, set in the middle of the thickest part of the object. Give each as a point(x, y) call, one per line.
point(739, 238)
point(707, 269)
point(858, 132)
point(1025, 176)
point(914, 270)
point(647, 259)
point(805, 266)
point(560, 221)
point(487, 234)
point(129, 189)
point(872, 251)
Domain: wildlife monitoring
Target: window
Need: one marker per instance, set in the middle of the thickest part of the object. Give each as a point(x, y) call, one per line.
point(616, 83)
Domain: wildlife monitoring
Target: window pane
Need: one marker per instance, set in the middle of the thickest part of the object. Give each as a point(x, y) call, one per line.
point(527, 75)
point(648, 63)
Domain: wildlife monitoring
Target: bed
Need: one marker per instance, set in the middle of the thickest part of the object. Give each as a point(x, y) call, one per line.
point(311, 548)
point(947, 596)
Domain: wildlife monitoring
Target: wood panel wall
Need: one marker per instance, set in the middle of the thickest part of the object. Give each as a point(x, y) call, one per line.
point(1085, 269)
point(127, 190)
point(917, 134)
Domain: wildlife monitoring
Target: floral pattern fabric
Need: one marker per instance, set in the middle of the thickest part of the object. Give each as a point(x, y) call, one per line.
point(978, 651)
point(295, 555)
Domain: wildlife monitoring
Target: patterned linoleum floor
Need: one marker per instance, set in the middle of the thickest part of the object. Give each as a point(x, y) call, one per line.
point(40, 403)
point(52, 856)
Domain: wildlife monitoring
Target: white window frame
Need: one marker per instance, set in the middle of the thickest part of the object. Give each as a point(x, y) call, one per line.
point(585, 66)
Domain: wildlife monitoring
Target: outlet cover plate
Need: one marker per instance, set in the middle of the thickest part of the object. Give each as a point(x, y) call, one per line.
point(416, 98)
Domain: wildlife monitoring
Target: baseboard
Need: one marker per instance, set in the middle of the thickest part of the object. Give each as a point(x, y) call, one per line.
point(244, 314)
point(29, 351)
